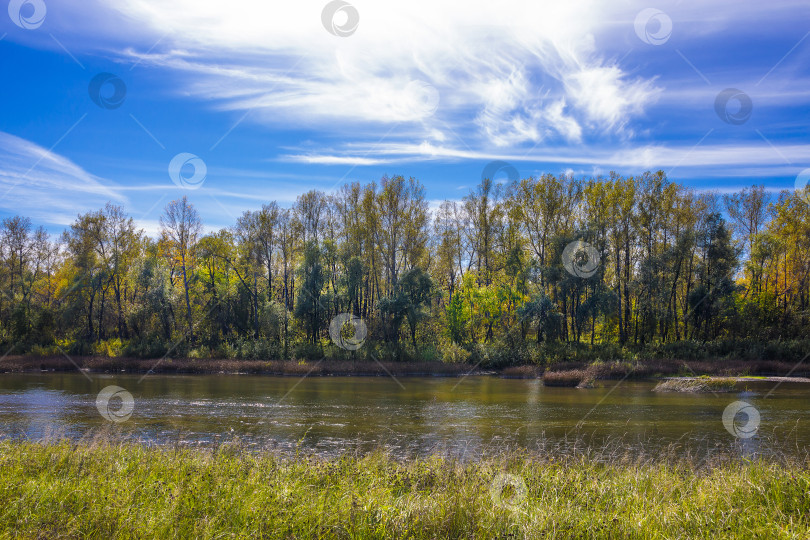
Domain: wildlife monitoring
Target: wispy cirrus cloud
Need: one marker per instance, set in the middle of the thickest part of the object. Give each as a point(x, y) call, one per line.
point(742, 157)
point(46, 186)
point(421, 88)
point(523, 72)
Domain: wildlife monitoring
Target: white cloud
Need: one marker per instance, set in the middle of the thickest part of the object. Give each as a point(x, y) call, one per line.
point(340, 160)
point(607, 98)
point(523, 70)
point(424, 80)
point(46, 186)
point(740, 157)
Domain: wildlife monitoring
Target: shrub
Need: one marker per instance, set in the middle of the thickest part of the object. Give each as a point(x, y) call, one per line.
point(453, 353)
point(78, 348)
point(225, 350)
point(307, 351)
point(44, 350)
point(145, 348)
point(199, 353)
point(257, 349)
point(111, 348)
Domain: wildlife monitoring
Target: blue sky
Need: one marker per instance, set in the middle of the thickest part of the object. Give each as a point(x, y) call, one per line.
point(274, 103)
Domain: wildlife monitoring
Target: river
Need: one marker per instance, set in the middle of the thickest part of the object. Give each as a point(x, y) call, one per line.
point(409, 416)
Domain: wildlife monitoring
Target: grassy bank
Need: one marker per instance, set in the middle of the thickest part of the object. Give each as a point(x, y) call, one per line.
point(697, 385)
point(583, 373)
point(123, 491)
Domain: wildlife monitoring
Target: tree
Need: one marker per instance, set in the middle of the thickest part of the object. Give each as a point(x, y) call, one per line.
point(123, 242)
point(485, 215)
point(712, 302)
point(402, 235)
point(180, 227)
point(417, 288)
point(667, 269)
point(287, 232)
point(458, 318)
point(308, 306)
point(409, 301)
point(449, 244)
point(214, 254)
point(86, 249)
point(309, 209)
point(542, 311)
point(748, 210)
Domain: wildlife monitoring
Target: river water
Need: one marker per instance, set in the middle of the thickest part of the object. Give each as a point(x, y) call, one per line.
point(409, 416)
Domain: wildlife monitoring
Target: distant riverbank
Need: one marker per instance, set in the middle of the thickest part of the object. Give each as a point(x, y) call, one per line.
point(559, 374)
point(130, 491)
point(325, 367)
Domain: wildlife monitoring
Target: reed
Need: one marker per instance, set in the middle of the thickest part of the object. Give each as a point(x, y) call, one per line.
point(697, 385)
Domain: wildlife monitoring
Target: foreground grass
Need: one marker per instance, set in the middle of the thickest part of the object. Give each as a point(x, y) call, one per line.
point(127, 491)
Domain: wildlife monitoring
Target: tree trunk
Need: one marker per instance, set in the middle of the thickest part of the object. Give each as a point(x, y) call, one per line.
point(188, 304)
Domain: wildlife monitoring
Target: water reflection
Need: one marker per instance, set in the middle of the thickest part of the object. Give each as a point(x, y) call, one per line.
point(40, 411)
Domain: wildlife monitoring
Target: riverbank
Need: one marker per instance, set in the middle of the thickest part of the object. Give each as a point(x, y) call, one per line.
point(326, 367)
point(583, 375)
point(125, 491)
point(558, 374)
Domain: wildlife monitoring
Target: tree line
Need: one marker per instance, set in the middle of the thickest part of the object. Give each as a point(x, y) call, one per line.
point(629, 261)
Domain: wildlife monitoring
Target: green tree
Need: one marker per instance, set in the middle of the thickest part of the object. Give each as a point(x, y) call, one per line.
point(410, 301)
point(308, 306)
point(712, 302)
point(542, 311)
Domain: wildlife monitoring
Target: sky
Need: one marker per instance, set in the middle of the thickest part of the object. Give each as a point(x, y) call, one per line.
point(235, 104)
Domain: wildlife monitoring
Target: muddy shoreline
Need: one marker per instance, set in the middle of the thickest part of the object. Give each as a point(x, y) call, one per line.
point(765, 370)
